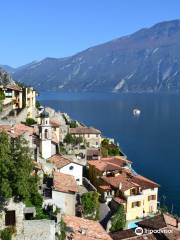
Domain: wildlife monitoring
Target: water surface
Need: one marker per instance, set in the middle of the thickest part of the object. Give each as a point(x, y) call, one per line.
point(151, 141)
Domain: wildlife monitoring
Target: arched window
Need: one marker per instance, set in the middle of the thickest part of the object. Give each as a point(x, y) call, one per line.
point(46, 133)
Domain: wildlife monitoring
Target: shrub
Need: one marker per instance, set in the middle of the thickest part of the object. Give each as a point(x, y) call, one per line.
point(118, 220)
point(6, 234)
point(30, 121)
point(90, 202)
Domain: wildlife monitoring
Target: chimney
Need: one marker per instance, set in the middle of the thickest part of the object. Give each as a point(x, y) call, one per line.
point(120, 185)
point(178, 223)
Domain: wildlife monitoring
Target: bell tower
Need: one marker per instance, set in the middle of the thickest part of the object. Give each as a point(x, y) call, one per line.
point(45, 135)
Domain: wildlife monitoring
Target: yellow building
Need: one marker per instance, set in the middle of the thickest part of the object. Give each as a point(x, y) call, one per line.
point(119, 184)
point(29, 100)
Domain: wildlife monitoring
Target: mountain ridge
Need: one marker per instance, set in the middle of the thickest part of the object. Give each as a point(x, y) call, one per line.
point(145, 61)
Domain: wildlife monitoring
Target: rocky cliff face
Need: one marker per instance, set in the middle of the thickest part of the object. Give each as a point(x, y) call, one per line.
point(5, 78)
point(146, 61)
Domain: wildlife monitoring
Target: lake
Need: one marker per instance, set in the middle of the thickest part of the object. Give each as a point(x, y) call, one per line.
point(151, 141)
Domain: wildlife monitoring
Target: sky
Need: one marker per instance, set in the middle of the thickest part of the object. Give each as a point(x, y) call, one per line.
point(34, 29)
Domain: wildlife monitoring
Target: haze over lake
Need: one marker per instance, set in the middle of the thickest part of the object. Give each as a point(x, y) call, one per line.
point(151, 141)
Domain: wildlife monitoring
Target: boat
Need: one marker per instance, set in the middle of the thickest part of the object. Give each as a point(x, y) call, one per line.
point(136, 112)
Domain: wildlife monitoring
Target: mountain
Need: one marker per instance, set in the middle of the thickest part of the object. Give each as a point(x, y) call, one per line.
point(5, 78)
point(8, 68)
point(145, 61)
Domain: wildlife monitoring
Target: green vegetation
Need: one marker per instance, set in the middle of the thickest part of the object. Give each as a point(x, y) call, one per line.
point(16, 168)
point(90, 203)
point(2, 97)
point(118, 220)
point(38, 104)
point(63, 230)
point(109, 149)
point(69, 139)
point(30, 121)
point(73, 124)
point(6, 234)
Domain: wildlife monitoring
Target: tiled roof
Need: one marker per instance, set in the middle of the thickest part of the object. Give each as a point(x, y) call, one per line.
point(159, 221)
point(13, 87)
point(17, 130)
point(109, 164)
point(84, 229)
point(59, 161)
point(144, 182)
point(84, 130)
point(125, 234)
point(119, 200)
point(120, 181)
point(64, 182)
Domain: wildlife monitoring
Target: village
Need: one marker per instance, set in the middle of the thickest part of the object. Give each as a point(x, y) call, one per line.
point(90, 189)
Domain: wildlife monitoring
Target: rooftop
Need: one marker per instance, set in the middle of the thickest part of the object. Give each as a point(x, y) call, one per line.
point(59, 161)
point(83, 229)
point(84, 130)
point(55, 122)
point(109, 163)
point(64, 183)
point(17, 130)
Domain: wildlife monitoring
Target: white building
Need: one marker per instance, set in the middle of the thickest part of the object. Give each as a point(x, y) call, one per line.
point(64, 165)
point(62, 193)
point(47, 145)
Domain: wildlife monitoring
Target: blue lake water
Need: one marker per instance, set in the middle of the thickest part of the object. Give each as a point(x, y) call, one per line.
point(151, 141)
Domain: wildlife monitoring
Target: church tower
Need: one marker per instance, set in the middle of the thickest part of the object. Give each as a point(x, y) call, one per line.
point(45, 135)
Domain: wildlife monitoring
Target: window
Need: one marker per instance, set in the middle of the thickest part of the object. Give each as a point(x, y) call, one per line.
point(10, 218)
point(136, 204)
point(77, 180)
point(71, 168)
point(151, 197)
point(46, 133)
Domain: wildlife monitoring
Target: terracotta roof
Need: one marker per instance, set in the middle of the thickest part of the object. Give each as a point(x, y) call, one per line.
point(115, 182)
point(59, 161)
point(55, 122)
point(125, 234)
point(144, 182)
point(109, 164)
point(64, 182)
point(93, 151)
point(119, 200)
point(105, 187)
point(13, 87)
point(17, 130)
point(159, 221)
point(84, 229)
point(84, 130)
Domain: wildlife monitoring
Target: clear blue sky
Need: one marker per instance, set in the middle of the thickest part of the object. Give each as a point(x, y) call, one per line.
point(35, 29)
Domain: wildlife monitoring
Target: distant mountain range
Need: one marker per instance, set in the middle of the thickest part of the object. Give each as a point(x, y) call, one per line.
point(145, 61)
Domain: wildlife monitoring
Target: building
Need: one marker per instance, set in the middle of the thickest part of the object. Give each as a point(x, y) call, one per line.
point(45, 136)
point(29, 101)
point(80, 228)
point(61, 192)
point(109, 166)
point(90, 135)
point(64, 165)
point(119, 184)
point(14, 93)
point(162, 226)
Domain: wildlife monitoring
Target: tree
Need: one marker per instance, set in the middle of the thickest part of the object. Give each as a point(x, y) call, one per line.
point(25, 186)
point(30, 121)
point(90, 202)
point(6, 166)
point(118, 220)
